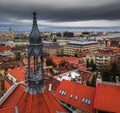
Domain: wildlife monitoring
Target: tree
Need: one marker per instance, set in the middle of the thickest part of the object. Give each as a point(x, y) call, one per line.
point(18, 55)
point(110, 74)
point(92, 65)
point(87, 63)
point(92, 82)
point(49, 62)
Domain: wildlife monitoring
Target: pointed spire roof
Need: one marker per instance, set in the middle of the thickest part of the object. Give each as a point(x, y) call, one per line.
point(35, 34)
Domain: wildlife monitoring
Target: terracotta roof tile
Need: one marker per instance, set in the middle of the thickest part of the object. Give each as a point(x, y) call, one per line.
point(76, 94)
point(57, 60)
point(51, 80)
point(7, 110)
point(4, 48)
point(31, 103)
point(7, 85)
point(107, 98)
point(18, 73)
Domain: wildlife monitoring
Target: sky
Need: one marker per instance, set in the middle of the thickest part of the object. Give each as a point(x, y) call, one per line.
point(60, 14)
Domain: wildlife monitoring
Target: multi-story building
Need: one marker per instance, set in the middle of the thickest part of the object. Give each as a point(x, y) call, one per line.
point(106, 56)
point(113, 42)
point(53, 49)
point(103, 61)
point(8, 35)
point(72, 46)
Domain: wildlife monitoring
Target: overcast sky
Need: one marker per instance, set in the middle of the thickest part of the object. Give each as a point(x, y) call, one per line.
point(61, 13)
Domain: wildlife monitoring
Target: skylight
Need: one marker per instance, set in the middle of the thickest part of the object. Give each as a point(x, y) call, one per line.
point(76, 97)
point(62, 92)
point(86, 101)
point(71, 95)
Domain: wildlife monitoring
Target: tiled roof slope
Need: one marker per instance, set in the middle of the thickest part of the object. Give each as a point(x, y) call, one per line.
point(5, 48)
point(76, 94)
point(50, 80)
point(107, 98)
point(24, 102)
point(7, 85)
point(18, 73)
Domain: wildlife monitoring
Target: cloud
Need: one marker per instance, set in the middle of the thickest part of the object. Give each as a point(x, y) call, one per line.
point(62, 11)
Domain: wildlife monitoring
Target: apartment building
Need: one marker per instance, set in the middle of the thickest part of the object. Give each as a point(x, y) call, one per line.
point(103, 60)
point(72, 46)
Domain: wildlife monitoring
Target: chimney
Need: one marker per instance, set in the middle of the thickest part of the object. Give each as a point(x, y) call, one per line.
point(99, 78)
point(50, 87)
point(117, 81)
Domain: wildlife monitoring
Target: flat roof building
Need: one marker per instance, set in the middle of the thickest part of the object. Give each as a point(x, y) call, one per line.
point(72, 46)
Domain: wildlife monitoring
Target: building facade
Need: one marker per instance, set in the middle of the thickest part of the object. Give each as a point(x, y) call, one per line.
point(71, 47)
point(103, 61)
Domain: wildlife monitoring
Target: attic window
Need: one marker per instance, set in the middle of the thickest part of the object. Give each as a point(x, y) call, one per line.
point(83, 99)
point(62, 92)
point(76, 97)
point(71, 95)
point(86, 101)
point(89, 101)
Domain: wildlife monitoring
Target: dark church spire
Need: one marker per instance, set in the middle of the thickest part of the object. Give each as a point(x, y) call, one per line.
point(35, 34)
point(35, 52)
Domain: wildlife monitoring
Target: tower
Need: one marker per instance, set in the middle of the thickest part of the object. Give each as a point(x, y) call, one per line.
point(35, 51)
point(36, 98)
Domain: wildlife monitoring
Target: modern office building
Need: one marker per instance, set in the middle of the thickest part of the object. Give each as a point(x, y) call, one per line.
point(72, 46)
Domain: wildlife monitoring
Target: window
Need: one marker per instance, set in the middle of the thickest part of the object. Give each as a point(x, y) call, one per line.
point(89, 101)
point(71, 95)
point(83, 99)
point(86, 101)
point(62, 92)
point(76, 97)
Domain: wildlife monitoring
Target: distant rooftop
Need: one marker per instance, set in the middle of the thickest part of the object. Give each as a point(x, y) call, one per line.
point(51, 45)
point(82, 43)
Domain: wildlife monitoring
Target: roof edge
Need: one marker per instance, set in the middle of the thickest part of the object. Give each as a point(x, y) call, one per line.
point(8, 93)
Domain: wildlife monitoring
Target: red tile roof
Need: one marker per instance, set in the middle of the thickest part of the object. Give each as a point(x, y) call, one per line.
point(30, 103)
point(73, 60)
point(57, 60)
point(109, 50)
point(107, 98)
point(18, 73)
point(4, 48)
point(7, 85)
point(50, 80)
point(85, 75)
point(7, 110)
point(76, 94)
point(82, 67)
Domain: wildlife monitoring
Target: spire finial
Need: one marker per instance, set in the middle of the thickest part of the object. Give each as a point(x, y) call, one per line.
point(34, 15)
